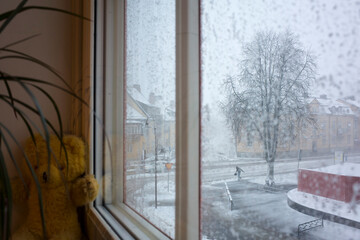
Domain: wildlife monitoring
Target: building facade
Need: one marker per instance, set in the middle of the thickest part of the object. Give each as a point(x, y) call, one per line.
point(336, 128)
point(148, 127)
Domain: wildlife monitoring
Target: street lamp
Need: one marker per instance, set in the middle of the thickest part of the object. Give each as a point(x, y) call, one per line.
point(156, 158)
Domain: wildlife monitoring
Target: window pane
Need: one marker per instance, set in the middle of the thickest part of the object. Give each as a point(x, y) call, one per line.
point(280, 119)
point(150, 111)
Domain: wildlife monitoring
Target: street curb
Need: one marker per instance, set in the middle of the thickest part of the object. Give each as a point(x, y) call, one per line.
point(320, 214)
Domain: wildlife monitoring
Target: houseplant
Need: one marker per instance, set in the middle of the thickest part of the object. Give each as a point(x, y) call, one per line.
point(25, 111)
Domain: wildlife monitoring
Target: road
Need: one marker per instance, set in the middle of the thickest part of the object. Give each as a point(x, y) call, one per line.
point(225, 169)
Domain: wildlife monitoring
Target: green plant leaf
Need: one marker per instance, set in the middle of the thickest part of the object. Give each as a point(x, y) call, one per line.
point(43, 121)
point(20, 41)
point(55, 107)
point(26, 119)
point(29, 58)
point(23, 115)
point(9, 91)
point(6, 15)
point(27, 106)
point(40, 114)
point(11, 15)
point(33, 80)
point(60, 135)
point(6, 197)
point(37, 184)
point(14, 162)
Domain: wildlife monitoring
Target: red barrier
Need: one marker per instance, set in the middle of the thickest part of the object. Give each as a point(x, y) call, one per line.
point(338, 187)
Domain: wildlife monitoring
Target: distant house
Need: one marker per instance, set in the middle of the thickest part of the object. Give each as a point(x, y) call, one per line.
point(134, 130)
point(144, 119)
point(168, 132)
point(336, 128)
point(139, 124)
point(356, 110)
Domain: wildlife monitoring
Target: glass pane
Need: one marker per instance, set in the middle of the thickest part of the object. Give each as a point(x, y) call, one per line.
point(150, 111)
point(280, 119)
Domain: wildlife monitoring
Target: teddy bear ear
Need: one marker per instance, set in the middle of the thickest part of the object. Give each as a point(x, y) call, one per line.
point(74, 145)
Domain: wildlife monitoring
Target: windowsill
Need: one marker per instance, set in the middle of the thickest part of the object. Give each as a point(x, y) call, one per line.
point(104, 225)
point(97, 227)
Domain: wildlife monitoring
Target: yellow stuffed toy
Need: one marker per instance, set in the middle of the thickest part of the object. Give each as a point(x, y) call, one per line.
point(64, 188)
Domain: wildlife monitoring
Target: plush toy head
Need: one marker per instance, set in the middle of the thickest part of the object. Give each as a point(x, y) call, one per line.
point(60, 169)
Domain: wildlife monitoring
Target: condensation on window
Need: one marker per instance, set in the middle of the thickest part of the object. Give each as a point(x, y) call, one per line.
point(280, 119)
point(150, 111)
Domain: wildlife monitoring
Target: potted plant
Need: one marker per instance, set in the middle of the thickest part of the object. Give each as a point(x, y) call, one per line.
point(25, 111)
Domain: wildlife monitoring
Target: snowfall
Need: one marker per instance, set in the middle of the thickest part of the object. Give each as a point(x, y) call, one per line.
point(164, 215)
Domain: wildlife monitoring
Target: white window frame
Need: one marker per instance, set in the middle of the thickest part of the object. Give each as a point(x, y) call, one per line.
point(108, 67)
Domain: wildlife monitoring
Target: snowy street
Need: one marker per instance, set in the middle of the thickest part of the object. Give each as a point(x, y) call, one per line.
point(263, 214)
point(259, 214)
point(225, 169)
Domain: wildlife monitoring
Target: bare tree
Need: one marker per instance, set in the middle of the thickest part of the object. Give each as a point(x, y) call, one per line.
point(268, 97)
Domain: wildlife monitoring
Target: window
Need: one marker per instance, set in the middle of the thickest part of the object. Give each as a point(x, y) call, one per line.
point(167, 171)
point(135, 61)
point(149, 90)
point(243, 42)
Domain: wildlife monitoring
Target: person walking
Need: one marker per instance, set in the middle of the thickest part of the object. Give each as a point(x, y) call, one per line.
point(238, 172)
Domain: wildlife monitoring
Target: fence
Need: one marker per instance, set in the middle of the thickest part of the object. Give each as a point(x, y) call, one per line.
point(310, 225)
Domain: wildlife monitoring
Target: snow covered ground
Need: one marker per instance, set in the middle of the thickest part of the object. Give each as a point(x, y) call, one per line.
point(261, 214)
point(143, 201)
point(326, 205)
point(258, 213)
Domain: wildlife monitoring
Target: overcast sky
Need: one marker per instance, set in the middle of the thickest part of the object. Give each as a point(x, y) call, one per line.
point(328, 28)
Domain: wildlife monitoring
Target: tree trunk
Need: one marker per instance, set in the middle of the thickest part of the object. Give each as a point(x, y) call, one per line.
point(269, 181)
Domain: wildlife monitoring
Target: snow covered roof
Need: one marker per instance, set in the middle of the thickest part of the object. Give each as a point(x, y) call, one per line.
point(330, 106)
point(138, 96)
point(329, 102)
point(133, 114)
point(346, 169)
point(350, 101)
point(148, 109)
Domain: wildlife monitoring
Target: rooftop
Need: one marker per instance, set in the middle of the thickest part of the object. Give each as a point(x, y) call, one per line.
point(345, 169)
